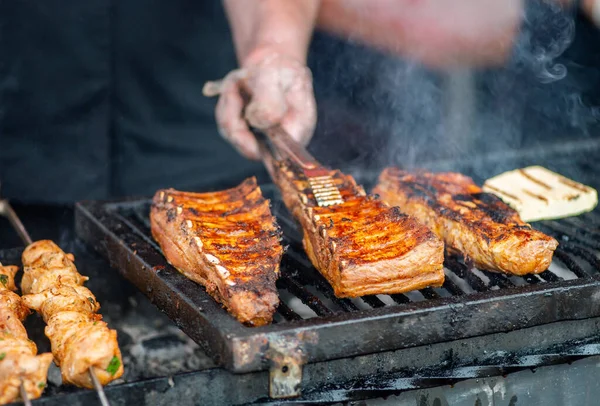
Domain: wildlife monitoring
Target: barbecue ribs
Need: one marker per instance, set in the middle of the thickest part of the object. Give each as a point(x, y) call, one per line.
point(227, 241)
point(362, 246)
point(477, 224)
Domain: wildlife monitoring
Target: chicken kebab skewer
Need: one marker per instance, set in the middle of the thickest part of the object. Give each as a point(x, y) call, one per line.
point(23, 374)
point(83, 346)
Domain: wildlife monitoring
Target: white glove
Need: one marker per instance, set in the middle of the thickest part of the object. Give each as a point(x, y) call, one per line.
point(270, 89)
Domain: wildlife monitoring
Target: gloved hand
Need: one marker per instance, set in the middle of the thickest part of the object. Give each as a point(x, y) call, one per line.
point(270, 88)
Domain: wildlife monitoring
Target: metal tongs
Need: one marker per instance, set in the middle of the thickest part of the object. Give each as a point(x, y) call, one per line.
point(281, 146)
point(277, 144)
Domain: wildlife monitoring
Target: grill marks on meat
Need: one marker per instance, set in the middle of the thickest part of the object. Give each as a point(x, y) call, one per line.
point(80, 339)
point(18, 359)
point(227, 241)
point(475, 223)
point(363, 246)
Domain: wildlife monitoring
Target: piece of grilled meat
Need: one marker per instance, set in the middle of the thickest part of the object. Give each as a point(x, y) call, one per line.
point(227, 241)
point(477, 224)
point(362, 246)
point(81, 341)
point(19, 361)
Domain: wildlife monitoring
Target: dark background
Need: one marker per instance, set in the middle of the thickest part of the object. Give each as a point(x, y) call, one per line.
point(390, 111)
point(140, 122)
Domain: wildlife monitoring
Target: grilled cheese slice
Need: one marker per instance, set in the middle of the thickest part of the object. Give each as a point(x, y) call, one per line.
point(537, 193)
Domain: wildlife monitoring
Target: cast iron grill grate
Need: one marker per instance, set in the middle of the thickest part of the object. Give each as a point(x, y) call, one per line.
point(470, 303)
point(306, 294)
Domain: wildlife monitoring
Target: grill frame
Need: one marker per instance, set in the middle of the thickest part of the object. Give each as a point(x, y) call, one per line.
point(243, 349)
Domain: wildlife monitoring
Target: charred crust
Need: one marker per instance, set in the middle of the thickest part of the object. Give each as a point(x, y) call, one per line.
point(257, 247)
point(171, 215)
point(396, 213)
point(457, 198)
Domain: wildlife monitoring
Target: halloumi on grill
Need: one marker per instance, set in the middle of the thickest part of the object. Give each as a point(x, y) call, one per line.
point(537, 193)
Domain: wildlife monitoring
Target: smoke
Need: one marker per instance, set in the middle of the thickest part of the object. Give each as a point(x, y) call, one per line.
point(398, 112)
point(547, 32)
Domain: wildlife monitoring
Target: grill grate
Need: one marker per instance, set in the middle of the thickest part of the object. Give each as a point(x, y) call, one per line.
point(577, 252)
point(298, 275)
point(495, 302)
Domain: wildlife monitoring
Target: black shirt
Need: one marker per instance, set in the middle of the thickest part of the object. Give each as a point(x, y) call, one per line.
point(102, 98)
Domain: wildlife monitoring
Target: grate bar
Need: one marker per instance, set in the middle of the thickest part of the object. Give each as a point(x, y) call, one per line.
point(321, 284)
point(144, 220)
point(452, 287)
point(570, 263)
point(305, 296)
point(531, 279)
point(560, 231)
point(400, 298)
point(429, 293)
point(287, 313)
point(550, 277)
point(373, 301)
point(499, 279)
point(577, 222)
point(463, 272)
point(592, 217)
point(344, 304)
point(582, 253)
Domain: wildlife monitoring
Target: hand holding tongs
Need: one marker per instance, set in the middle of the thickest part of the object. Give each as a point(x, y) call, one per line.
point(279, 145)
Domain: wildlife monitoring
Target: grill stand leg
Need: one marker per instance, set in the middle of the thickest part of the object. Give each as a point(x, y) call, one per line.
point(287, 359)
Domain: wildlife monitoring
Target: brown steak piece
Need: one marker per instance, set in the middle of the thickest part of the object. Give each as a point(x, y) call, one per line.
point(477, 224)
point(363, 246)
point(227, 241)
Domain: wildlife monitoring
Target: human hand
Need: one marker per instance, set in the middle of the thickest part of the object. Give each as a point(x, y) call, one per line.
point(269, 89)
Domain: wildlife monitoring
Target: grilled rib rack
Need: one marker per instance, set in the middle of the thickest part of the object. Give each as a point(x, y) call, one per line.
point(313, 325)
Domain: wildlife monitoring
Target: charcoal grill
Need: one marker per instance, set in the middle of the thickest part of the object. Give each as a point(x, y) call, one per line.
point(312, 326)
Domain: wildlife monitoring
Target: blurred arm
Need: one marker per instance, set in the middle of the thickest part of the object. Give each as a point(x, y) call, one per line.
point(281, 25)
point(439, 33)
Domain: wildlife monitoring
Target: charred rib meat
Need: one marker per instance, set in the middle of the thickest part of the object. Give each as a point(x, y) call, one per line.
point(477, 224)
point(227, 241)
point(362, 246)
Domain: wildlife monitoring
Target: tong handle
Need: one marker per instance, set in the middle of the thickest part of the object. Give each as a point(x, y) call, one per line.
point(287, 147)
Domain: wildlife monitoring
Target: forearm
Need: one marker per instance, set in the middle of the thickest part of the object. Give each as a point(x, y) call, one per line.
point(285, 26)
point(439, 33)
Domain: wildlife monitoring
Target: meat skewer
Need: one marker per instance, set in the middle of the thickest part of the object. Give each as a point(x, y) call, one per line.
point(477, 224)
point(82, 344)
point(115, 366)
point(22, 372)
